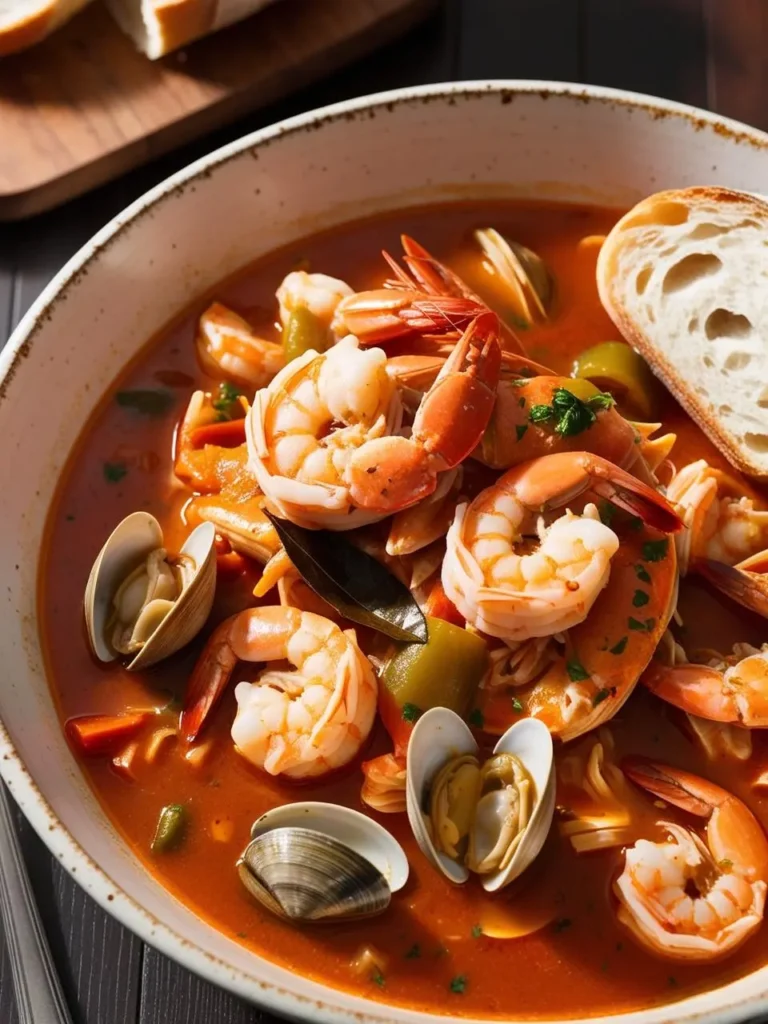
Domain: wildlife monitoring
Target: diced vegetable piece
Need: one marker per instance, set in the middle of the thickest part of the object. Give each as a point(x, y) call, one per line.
point(444, 672)
point(104, 734)
point(170, 828)
point(615, 367)
point(303, 332)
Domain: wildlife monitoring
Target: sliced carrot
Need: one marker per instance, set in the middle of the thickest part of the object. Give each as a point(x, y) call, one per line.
point(104, 734)
point(226, 434)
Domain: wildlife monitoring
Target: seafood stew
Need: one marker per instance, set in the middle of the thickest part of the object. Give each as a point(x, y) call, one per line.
point(475, 431)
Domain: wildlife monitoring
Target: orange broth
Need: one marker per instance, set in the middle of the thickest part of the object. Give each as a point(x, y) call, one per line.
point(580, 962)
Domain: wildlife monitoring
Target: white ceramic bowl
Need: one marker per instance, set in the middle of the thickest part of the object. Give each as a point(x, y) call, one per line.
point(269, 189)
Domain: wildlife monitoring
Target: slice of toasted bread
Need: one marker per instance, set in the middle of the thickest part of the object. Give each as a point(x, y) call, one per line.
point(159, 26)
point(25, 22)
point(684, 276)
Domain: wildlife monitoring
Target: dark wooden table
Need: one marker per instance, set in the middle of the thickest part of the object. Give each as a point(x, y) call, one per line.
point(711, 53)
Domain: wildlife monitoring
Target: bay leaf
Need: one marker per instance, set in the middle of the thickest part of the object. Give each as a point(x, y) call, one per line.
point(355, 584)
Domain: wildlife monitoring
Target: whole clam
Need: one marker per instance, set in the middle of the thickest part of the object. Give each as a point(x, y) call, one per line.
point(488, 818)
point(521, 271)
point(142, 603)
point(315, 861)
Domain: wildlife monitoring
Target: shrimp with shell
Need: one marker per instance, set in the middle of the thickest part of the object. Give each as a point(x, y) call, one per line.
point(516, 571)
point(300, 722)
point(688, 899)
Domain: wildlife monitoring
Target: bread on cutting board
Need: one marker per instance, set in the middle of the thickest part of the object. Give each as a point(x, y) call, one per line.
point(25, 22)
point(684, 276)
point(159, 26)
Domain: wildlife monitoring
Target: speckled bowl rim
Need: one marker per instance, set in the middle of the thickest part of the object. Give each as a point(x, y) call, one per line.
point(61, 844)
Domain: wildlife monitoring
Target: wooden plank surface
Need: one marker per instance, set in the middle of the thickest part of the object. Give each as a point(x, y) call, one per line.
point(707, 52)
point(85, 106)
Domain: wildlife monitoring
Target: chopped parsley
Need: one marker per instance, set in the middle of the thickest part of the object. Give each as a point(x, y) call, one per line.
point(607, 512)
point(70, 518)
point(641, 627)
point(521, 401)
point(517, 704)
point(569, 413)
point(242, 935)
point(641, 598)
point(114, 471)
point(520, 430)
point(414, 952)
point(476, 718)
point(477, 931)
point(562, 923)
point(226, 396)
point(619, 647)
point(725, 864)
point(635, 523)
point(600, 696)
point(642, 573)
point(672, 981)
point(377, 978)
point(459, 984)
point(145, 402)
point(655, 550)
point(576, 671)
point(410, 712)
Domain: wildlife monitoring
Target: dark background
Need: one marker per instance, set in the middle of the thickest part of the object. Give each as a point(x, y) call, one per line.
point(711, 53)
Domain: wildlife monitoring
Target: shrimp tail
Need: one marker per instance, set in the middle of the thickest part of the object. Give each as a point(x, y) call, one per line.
point(747, 588)
point(677, 787)
point(208, 681)
point(628, 493)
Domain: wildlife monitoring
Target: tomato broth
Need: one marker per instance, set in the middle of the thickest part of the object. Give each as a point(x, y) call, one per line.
point(436, 955)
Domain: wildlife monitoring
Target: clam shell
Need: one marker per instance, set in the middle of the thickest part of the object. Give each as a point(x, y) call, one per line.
point(127, 546)
point(355, 830)
point(441, 734)
point(304, 875)
point(437, 736)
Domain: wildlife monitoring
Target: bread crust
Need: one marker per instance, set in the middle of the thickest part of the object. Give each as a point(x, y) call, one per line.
point(608, 285)
point(35, 25)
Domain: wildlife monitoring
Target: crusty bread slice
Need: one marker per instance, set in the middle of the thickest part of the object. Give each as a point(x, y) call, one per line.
point(684, 276)
point(25, 22)
point(159, 26)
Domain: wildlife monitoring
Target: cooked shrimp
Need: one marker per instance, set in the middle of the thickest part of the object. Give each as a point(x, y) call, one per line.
point(317, 293)
point(512, 594)
point(721, 522)
point(228, 348)
point(685, 899)
point(612, 589)
point(384, 784)
point(323, 437)
point(299, 723)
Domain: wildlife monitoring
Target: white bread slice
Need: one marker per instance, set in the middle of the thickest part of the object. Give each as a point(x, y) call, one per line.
point(684, 276)
point(25, 22)
point(159, 26)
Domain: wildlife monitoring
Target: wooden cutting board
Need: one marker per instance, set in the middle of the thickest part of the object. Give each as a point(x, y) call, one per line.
point(84, 106)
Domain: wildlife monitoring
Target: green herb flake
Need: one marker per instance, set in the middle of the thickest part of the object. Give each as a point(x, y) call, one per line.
point(725, 864)
point(114, 471)
point(414, 952)
point(410, 712)
point(477, 931)
point(642, 573)
point(226, 396)
point(655, 550)
point(576, 671)
point(635, 523)
point(377, 978)
point(517, 705)
point(607, 512)
point(562, 923)
point(242, 935)
point(672, 980)
point(520, 430)
point(641, 598)
point(476, 718)
point(520, 383)
point(641, 627)
point(458, 984)
point(145, 402)
point(70, 518)
point(619, 647)
point(521, 401)
point(540, 413)
point(600, 696)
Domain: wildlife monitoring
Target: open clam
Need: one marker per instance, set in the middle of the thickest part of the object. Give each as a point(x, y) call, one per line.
point(490, 818)
point(141, 602)
point(319, 862)
point(521, 271)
